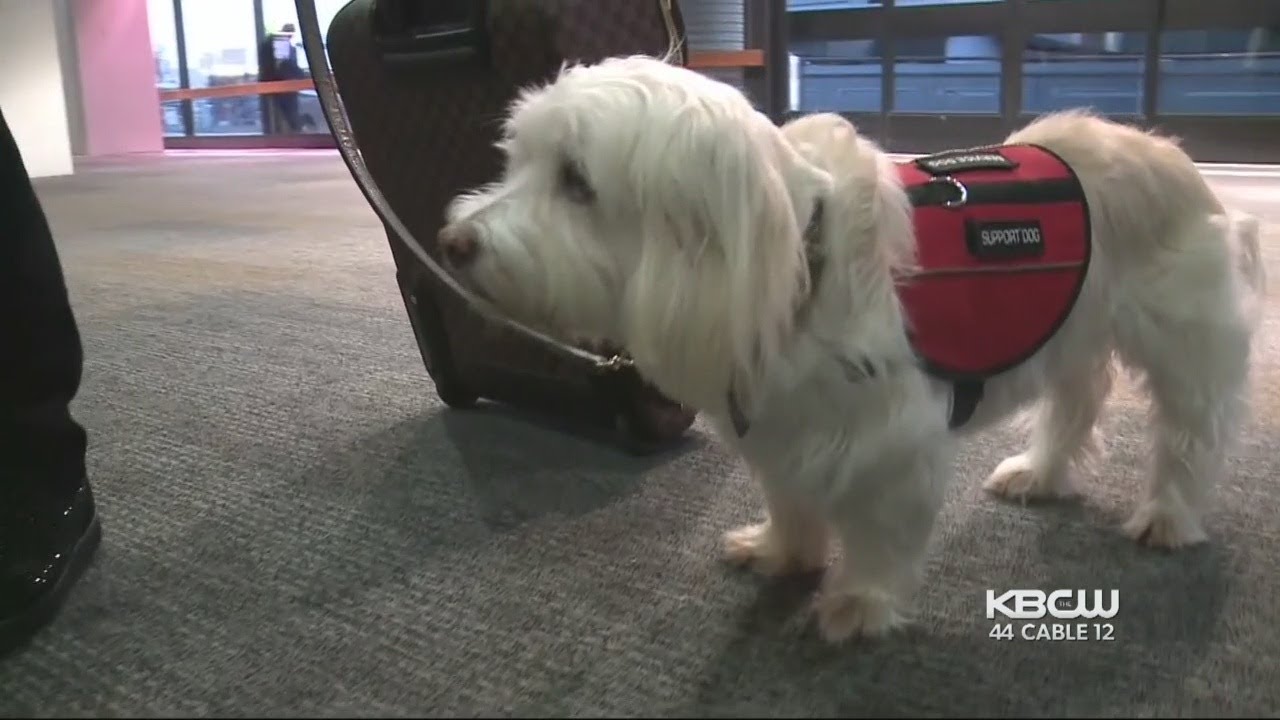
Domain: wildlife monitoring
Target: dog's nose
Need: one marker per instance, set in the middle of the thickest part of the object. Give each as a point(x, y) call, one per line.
point(460, 244)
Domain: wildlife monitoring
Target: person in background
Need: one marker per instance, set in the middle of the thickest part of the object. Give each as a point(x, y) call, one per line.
point(278, 60)
point(49, 526)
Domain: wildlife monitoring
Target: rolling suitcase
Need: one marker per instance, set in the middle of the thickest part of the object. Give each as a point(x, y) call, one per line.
point(414, 92)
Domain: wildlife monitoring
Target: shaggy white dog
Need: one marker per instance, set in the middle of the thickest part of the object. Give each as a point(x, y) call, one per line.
point(653, 206)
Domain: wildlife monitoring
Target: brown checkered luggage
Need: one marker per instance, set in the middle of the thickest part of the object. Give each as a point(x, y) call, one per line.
point(415, 98)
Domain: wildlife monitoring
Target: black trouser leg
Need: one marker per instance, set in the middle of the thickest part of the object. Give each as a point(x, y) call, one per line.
point(288, 104)
point(49, 527)
point(40, 350)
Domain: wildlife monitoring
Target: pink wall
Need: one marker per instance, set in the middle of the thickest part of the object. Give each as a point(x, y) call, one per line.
point(121, 105)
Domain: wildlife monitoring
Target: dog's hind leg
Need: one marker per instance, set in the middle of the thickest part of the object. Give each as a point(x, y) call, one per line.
point(1062, 436)
point(1183, 326)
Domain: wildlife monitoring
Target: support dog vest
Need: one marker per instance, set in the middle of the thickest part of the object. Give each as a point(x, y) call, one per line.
point(1003, 244)
point(1003, 248)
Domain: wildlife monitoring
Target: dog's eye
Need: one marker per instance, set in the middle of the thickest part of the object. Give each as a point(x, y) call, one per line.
point(575, 183)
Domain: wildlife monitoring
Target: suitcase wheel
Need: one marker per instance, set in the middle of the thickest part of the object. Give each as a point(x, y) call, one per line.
point(454, 393)
point(647, 424)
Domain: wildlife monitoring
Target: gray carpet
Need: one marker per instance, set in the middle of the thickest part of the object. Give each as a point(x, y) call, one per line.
point(295, 526)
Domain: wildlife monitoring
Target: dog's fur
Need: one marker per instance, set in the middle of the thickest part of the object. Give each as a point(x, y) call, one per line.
point(654, 207)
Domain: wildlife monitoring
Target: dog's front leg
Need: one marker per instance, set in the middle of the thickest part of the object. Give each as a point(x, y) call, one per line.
point(791, 539)
point(884, 523)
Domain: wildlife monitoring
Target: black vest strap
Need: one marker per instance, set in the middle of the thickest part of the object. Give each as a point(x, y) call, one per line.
point(965, 396)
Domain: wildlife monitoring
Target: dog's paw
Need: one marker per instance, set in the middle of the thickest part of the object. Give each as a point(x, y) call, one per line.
point(760, 548)
point(1016, 478)
point(846, 616)
point(1165, 524)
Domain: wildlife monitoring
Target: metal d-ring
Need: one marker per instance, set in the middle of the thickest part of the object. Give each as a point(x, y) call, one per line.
point(960, 188)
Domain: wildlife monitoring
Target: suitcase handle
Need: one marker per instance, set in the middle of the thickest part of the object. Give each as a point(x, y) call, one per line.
point(406, 36)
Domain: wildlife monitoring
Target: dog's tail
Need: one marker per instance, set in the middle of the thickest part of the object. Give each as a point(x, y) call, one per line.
point(1244, 234)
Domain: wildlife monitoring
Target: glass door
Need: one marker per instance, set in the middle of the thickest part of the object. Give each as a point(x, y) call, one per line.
point(233, 73)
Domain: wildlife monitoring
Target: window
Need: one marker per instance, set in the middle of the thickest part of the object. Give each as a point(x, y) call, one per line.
point(222, 49)
point(1101, 71)
point(917, 3)
point(296, 112)
point(1220, 72)
point(171, 118)
point(164, 52)
point(813, 5)
point(920, 75)
point(278, 13)
point(957, 74)
point(837, 76)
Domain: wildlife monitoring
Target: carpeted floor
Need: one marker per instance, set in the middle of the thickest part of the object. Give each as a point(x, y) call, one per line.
point(295, 526)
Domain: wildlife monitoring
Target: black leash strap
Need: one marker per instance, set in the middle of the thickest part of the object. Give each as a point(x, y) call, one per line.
point(336, 115)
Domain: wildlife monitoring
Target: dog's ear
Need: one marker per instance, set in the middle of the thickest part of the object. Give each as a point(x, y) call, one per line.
point(723, 265)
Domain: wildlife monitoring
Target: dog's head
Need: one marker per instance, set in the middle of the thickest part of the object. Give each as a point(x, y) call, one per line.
point(649, 206)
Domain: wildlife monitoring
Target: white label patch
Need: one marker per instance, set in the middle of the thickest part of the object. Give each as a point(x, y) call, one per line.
point(1005, 240)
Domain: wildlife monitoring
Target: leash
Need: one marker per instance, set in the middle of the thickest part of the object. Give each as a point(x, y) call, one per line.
point(336, 115)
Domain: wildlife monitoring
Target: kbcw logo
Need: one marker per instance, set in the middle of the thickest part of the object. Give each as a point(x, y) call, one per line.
point(1060, 604)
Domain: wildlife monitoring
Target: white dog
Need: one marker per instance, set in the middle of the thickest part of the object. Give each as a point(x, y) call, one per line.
point(652, 206)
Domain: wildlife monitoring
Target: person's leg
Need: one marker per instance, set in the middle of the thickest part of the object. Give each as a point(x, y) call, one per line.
point(48, 525)
point(289, 108)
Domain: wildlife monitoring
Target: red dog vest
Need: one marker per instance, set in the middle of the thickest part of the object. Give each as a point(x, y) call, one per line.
point(1003, 246)
point(1003, 238)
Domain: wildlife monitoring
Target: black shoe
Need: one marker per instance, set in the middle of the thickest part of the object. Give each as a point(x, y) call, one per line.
point(45, 546)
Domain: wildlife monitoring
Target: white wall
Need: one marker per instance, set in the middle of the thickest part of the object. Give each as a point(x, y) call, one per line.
point(31, 87)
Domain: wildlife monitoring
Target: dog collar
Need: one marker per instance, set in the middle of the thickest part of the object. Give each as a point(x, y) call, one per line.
point(941, 191)
point(816, 259)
